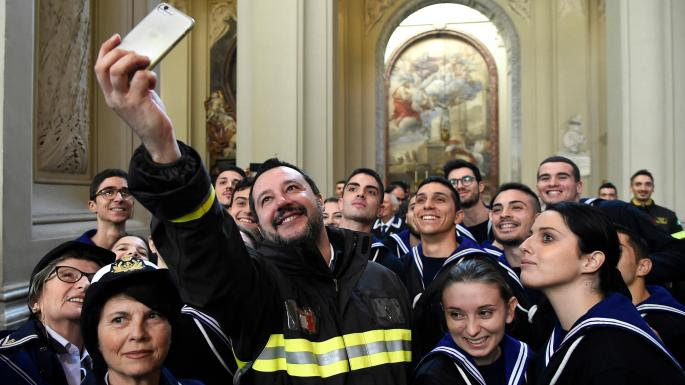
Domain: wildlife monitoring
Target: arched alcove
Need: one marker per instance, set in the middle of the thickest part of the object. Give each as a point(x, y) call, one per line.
point(509, 100)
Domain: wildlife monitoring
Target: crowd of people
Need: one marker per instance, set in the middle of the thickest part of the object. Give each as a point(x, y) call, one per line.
point(262, 280)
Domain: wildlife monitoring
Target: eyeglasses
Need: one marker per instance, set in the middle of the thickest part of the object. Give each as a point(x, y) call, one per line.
point(70, 274)
point(111, 192)
point(465, 181)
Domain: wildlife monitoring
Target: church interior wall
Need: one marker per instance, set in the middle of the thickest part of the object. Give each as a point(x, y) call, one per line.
point(308, 86)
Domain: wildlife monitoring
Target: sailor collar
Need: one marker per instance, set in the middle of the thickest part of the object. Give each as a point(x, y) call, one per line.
point(614, 311)
point(516, 355)
point(660, 300)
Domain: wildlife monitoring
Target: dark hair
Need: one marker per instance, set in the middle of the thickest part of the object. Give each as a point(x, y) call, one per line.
point(101, 176)
point(595, 232)
point(607, 185)
point(479, 269)
point(520, 187)
point(343, 181)
point(369, 172)
point(642, 172)
point(243, 184)
point(233, 168)
point(274, 163)
point(150, 255)
point(561, 159)
point(446, 183)
point(460, 163)
point(636, 242)
point(332, 200)
point(397, 183)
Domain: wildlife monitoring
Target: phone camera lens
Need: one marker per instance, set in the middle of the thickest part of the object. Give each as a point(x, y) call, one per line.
point(166, 7)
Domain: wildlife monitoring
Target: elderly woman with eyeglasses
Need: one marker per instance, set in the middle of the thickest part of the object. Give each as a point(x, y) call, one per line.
point(49, 347)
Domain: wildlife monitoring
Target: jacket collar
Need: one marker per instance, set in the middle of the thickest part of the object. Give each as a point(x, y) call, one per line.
point(515, 353)
point(649, 202)
point(29, 331)
point(614, 311)
point(466, 247)
point(660, 300)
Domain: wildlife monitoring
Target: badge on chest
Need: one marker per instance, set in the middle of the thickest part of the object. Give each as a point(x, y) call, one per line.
point(301, 318)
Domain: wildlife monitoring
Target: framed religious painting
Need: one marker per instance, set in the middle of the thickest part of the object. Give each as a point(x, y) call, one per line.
point(441, 89)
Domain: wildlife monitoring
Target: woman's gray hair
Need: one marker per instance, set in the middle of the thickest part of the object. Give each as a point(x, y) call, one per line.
point(38, 280)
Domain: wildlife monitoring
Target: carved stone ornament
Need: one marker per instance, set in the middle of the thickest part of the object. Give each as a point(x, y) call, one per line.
point(521, 8)
point(569, 7)
point(220, 13)
point(64, 69)
point(373, 12)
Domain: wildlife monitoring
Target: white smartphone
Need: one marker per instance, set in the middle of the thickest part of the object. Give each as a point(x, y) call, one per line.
point(158, 33)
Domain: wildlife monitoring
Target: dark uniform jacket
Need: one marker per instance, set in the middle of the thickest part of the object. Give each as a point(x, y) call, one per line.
point(28, 355)
point(396, 225)
point(165, 378)
point(663, 218)
point(667, 316)
point(448, 364)
point(666, 252)
point(294, 319)
point(610, 344)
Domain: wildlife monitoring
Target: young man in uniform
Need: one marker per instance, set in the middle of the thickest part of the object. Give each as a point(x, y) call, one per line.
point(466, 179)
point(112, 204)
point(642, 186)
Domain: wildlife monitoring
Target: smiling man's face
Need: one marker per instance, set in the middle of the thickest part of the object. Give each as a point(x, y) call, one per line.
point(556, 183)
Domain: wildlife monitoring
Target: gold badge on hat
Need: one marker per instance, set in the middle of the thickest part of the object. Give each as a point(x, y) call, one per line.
point(126, 264)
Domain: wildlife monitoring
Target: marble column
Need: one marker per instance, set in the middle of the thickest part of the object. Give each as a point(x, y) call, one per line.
point(646, 95)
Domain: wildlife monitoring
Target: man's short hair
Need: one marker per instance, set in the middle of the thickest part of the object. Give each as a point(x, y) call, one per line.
point(102, 175)
point(369, 172)
point(332, 200)
point(343, 181)
point(460, 163)
point(608, 185)
point(562, 159)
point(242, 184)
point(398, 183)
point(635, 240)
point(520, 187)
point(446, 183)
point(642, 172)
point(233, 168)
point(274, 163)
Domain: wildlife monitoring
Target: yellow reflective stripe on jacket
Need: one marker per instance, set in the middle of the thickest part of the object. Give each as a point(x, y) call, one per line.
point(304, 358)
point(679, 235)
point(202, 210)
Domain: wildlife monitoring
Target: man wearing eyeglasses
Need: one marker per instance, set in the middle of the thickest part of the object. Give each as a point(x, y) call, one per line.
point(112, 204)
point(466, 179)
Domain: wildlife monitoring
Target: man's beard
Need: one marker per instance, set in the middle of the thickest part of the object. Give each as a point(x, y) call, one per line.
point(472, 201)
point(510, 242)
point(311, 233)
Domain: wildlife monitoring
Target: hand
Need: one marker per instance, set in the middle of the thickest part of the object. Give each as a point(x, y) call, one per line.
point(136, 101)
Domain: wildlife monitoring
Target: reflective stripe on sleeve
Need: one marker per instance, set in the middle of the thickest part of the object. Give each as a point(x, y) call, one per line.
point(202, 210)
point(356, 351)
point(679, 235)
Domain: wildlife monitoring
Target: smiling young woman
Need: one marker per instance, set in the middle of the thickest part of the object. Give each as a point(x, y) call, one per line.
point(599, 337)
point(478, 304)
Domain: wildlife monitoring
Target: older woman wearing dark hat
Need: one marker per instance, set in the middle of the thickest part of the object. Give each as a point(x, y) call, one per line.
point(128, 316)
point(48, 348)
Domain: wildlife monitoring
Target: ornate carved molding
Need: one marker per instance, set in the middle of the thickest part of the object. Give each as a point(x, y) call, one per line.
point(220, 13)
point(373, 12)
point(64, 70)
point(568, 7)
point(521, 8)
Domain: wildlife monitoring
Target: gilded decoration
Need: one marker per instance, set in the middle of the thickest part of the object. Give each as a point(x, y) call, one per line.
point(63, 96)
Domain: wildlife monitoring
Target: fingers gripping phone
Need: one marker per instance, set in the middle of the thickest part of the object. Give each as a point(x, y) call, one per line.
point(158, 33)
